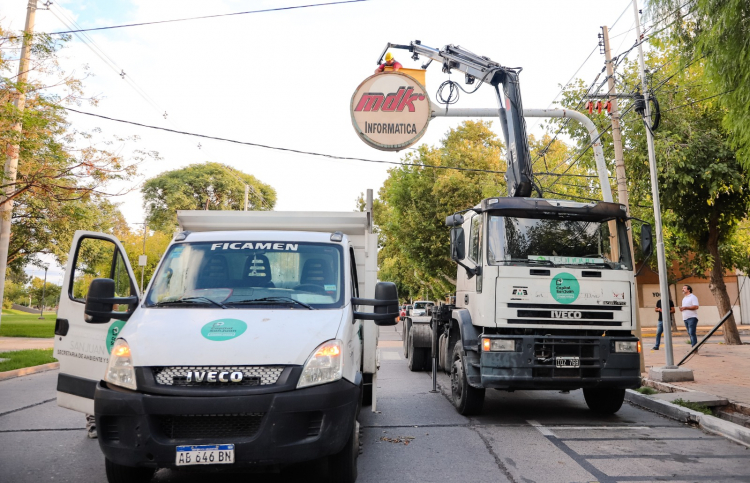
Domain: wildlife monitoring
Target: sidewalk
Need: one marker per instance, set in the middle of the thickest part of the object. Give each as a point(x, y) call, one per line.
point(23, 343)
point(719, 369)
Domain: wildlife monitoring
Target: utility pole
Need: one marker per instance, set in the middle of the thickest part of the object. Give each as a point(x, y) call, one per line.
point(44, 292)
point(659, 373)
point(247, 194)
point(11, 162)
point(622, 180)
point(143, 259)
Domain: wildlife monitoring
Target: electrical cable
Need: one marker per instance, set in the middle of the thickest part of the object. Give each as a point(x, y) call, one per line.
point(72, 31)
point(699, 100)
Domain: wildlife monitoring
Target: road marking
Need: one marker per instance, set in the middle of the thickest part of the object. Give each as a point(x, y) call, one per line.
point(541, 428)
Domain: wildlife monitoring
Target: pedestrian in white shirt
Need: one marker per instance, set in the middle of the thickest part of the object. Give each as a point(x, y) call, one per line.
point(689, 311)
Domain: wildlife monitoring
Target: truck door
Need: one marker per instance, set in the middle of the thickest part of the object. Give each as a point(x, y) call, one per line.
point(83, 348)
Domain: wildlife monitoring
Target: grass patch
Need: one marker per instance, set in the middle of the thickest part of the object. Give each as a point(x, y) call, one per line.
point(28, 325)
point(694, 406)
point(25, 358)
point(14, 312)
point(647, 390)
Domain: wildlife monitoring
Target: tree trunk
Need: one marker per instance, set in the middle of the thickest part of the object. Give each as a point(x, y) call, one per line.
point(717, 285)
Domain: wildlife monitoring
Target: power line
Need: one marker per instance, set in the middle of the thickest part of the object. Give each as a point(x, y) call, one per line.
point(310, 153)
point(697, 101)
point(199, 18)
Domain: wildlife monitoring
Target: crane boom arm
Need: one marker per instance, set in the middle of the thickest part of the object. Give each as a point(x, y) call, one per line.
point(510, 108)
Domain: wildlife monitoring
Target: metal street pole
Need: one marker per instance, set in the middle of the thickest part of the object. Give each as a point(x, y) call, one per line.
point(247, 194)
point(660, 257)
point(622, 179)
point(11, 162)
point(143, 267)
point(44, 292)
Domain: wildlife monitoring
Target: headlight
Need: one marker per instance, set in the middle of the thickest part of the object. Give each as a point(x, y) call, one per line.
point(627, 346)
point(498, 345)
point(324, 365)
point(120, 370)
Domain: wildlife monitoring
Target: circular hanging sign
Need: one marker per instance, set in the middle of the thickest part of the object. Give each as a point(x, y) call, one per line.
point(390, 111)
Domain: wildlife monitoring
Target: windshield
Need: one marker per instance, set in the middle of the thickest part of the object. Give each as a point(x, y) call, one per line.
point(556, 242)
point(250, 274)
point(421, 305)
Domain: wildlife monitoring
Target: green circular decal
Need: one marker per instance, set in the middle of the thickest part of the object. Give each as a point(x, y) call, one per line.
point(223, 329)
point(113, 333)
point(564, 288)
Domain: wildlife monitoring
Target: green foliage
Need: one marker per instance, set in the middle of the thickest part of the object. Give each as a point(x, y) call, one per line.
point(28, 325)
point(719, 31)
point(207, 186)
point(63, 173)
point(694, 406)
point(25, 358)
point(647, 390)
point(414, 202)
point(51, 293)
point(156, 245)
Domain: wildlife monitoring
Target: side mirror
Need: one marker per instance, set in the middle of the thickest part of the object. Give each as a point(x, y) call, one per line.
point(100, 301)
point(454, 220)
point(647, 245)
point(385, 305)
point(458, 244)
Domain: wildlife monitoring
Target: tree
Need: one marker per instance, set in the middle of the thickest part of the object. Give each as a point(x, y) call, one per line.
point(207, 186)
point(704, 189)
point(64, 174)
point(414, 202)
point(717, 31)
point(50, 291)
point(156, 245)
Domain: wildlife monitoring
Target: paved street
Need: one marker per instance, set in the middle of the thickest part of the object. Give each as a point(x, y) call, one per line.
point(521, 437)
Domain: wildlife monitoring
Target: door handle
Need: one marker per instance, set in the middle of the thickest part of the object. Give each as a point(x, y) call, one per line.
point(61, 327)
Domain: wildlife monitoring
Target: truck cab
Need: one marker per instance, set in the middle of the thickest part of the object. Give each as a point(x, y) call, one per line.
point(247, 349)
point(544, 300)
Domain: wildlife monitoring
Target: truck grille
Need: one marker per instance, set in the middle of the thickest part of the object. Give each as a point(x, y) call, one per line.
point(251, 375)
point(549, 314)
point(546, 350)
point(207, 426)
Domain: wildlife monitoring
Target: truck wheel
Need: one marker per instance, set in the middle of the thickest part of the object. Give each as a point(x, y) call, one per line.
point(405, 337)
point(606, 400)
point(416, 356)
point(126, 474)
point(342, 467)
point(467, 400)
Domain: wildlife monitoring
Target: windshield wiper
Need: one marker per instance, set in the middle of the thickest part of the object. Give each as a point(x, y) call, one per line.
point(525, 260)
point(600, 264)
point(189, 300)
point(274, 299)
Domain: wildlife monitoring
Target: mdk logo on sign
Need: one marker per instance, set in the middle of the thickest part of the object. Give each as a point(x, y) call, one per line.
point(390, 111)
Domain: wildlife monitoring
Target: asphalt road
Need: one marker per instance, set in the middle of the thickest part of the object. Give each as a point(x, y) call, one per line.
point(521, 437)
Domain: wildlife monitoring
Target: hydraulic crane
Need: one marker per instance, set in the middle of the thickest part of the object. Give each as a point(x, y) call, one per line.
point(510, 108)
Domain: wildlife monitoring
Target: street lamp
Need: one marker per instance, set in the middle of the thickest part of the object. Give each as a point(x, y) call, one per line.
point(44, 291)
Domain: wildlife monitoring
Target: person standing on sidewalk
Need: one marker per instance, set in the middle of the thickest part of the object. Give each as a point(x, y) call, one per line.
point(689, 311)
point(660, 325)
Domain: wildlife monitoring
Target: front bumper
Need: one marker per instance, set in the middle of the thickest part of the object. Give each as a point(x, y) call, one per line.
point(137, 429)
point(532, 366)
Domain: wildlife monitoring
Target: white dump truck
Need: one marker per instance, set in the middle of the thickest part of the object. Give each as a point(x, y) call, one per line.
point(247, 349)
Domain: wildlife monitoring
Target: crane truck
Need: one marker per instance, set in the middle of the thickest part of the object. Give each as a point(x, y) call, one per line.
point(545, 289)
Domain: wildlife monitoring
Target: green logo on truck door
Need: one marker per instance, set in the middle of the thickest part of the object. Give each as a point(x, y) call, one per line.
point(564, 288)
point(223, 329)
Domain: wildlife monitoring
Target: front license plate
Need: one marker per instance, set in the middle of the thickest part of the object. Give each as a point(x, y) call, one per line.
point(567, 362)
point(209, 454)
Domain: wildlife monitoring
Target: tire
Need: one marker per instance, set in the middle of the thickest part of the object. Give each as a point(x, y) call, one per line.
point(127, 474)
point(467, 400)
point(342, 467)
point(417, 359)
point(606, 400)
point(405, 337)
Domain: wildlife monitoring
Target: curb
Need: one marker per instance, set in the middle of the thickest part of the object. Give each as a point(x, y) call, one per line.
point(711, 424)
point(25, 371)
point(666, 387)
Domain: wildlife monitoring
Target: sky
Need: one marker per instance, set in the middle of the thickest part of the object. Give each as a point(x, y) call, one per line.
point(285, 78)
